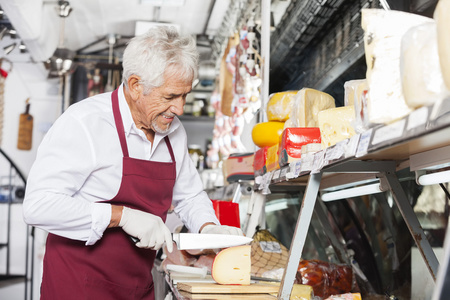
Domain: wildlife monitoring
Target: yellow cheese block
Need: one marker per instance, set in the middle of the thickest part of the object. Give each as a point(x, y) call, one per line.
point(442, 17)
point(336, 125)
point(308, 103)
point(267, 134)
point(353, 90)
point(280, 105)
point(232, 266)
point(272, 158)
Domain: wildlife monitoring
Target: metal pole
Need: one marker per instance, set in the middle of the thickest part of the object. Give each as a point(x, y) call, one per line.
point(299, 238)
point(265, 54)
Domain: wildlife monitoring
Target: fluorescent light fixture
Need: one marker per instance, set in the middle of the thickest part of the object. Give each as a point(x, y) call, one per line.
point(9, 48)
point(434, 178)
point(352, 192)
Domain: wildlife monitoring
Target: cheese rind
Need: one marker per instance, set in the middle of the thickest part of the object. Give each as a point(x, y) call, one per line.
point(292, 141)
point(280, 105)
point(308, 102)
point(383, 31)
point(232, 266)
point(336, 125)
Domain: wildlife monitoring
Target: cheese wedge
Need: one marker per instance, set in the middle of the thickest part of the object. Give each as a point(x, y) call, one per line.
point(307, 104)
point(336, 125)
point(441, 15)
point(280, 105)
point(292, 141)
point(272, 158)
point(232, 266)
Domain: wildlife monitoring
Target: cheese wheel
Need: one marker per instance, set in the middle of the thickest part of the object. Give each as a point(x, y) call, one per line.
point(232, 266)
point(279, 106)
point(267, 134)
point(442, 17)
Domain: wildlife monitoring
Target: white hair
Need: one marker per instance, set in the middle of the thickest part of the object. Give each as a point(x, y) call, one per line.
point(158, 50)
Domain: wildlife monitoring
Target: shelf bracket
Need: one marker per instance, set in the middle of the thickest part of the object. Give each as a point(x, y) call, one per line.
point(412, 222)
point(299, 238)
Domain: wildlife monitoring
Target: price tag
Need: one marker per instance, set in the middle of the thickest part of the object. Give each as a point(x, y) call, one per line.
point(417, 118)
point(363, 144)
point(319, 161)
point(276, 174)
point(352, 145)
point(329, 153)
point(307, 162)
point(339, 149)
point(389, 132)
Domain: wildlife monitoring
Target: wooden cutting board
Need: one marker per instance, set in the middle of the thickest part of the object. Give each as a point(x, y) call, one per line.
point(214, 288)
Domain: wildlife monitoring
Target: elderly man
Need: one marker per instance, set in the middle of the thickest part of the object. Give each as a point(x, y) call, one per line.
point(110, 167)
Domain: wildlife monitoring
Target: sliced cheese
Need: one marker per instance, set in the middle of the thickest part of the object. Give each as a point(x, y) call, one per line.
point(232, 266)
point(441, 15)
point(336, 125)
point(279, 106)
point(308, 102)
point(421, 75)
point(383, 31)
point(267, 134)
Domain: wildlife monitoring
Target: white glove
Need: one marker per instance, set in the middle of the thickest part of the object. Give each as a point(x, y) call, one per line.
point(221, 229)
point(149, 229)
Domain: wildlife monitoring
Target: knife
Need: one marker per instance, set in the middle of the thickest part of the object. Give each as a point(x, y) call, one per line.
point(198, 241)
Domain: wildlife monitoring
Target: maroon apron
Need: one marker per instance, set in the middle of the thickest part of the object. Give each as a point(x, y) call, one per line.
point(113, 268)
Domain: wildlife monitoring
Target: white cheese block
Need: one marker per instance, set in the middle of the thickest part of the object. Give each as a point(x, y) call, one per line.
point(336, 125)
point(421, 75)
point(232, 266)
point(442, 17)
point(311, 148)
point(307, 104)
point(383, 31)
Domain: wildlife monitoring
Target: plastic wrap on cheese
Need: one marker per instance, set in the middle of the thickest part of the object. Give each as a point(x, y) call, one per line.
point(267, 133)
point(442, 17)
point(421, 75)
point(307, 104)
point(280, 105)
point(336, 125)
point(383, 31)
point(292, 141)
point(272, 158)
point(259, 161)
point(355, 93)
point(311, 148)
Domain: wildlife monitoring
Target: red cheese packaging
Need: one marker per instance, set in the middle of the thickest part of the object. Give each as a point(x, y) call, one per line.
point(259, 161)
point(293, 139)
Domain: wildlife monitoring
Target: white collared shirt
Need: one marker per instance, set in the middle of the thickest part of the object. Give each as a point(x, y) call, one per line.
point(79, 163)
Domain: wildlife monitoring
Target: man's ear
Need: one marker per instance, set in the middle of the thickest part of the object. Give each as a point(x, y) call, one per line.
point(135, 87)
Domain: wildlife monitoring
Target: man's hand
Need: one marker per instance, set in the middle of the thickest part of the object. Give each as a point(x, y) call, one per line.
point(149, 229)
point(221, 229)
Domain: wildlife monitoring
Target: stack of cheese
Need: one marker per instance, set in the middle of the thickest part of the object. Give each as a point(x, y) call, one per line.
point(402, 63)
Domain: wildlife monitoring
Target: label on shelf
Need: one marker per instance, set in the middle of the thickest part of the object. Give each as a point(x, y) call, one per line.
point(319, 162)
point(352, 145)
point(307, 162)
point(417, 118)
point(363, 144)
point(389, 132)
point(276, 174)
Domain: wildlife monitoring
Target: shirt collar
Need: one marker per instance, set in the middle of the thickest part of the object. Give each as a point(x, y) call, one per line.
point(127, 119)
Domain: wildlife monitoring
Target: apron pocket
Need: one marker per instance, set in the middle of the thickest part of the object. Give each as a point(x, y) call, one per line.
point(96, 288)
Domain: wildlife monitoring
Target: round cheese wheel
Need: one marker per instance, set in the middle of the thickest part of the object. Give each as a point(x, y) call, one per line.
point(267, 134)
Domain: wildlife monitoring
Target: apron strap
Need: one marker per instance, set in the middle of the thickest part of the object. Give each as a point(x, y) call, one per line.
point(119, 122)
point(169, 146)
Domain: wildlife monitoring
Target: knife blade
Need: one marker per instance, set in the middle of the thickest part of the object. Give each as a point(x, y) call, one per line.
point(191, 241)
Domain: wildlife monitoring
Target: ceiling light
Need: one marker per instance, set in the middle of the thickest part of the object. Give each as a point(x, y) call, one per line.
point(12, 33)
point(352, 192)
point(3, 31)
point(9, 48)
point(22, 47)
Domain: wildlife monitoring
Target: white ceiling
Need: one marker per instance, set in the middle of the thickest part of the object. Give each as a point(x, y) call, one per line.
point(38, 24)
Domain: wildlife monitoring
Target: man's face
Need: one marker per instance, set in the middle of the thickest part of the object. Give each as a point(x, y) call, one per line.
point(158, 108)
